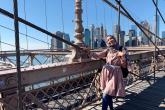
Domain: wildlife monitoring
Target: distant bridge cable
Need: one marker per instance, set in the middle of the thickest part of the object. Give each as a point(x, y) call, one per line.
point(118, 27)
point(62, 17)
point(86, 9)
point(96, 11)
point(138, 26)
point(24, 34)
point(124, 14)
point(24, 5)
point(11, 45)
point(0, 43)
point(104, 17)
point(158, 11)
point(46, 21)
point(62, 21)
point(10, 15)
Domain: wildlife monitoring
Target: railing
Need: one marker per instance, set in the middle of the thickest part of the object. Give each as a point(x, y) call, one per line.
point(32, 58)
point(65, 86)
point(57, 85)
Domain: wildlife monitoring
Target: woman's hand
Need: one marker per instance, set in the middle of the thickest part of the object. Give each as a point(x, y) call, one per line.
point(121, 54)
point(87, 50)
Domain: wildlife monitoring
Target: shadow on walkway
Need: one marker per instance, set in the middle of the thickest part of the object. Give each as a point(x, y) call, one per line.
point(151, 98)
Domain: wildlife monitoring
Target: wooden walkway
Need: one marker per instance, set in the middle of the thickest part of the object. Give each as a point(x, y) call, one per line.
point(141, 95)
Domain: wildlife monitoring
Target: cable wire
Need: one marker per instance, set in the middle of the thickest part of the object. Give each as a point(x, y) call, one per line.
point(11, 45)
point(24, 5)
point(96, 12)
point(46, 21)
point(158, 11)
point(104, 18)
point(0, 43)
point(138, 26)
point(124, 14)
point(24, 34)
point(62, 16)
point(86, 9)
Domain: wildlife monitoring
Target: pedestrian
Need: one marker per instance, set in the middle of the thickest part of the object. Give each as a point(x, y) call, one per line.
point(111, 77)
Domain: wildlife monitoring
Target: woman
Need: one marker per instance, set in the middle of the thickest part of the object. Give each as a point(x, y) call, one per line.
point(111, 78)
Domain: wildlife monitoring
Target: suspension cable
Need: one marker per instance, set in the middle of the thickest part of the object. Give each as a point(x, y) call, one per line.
point(158, 11)
point(0, 43)
point(62, 16)
point(104, 18)
point(11, 45)
point(96, 13)
point(10, 15)
point(24, 34)
point(118, 27)
point(46, 22)
point(124, 14)
point(111, 18)
point(86, 9)
point(139, 26)
point(24, 5)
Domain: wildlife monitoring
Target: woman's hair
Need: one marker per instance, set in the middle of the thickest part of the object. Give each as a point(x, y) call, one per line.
point(111, 36)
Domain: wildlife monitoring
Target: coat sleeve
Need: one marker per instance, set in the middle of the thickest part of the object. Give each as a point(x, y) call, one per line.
point(124, 60)
point(98, 55)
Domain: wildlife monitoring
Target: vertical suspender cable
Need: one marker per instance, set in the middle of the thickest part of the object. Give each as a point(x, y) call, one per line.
point(118, 31)
point(130, 18)
point(86, 12)
point(46, 22)
point(16, 26)
point(156, 33)
point(139, 26)
point(111, 18)
point(62, 16)
point(104, 18)
point(24, 5)
point(0, 43)
point(96, 13)
point(159, 11)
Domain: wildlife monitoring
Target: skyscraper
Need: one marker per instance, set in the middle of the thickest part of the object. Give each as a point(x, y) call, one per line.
point(131, 33)
point(105, 33)
point(157, 25)
point(163, 37)
point(163, 34)
point(52, 43)
point(87, 38)
point(97, 33)
point(66, 37)
point(156, 28)
point(144, 38)
point(121, 40)
point(133, 27)
point(57, 44)
point(97, 36)
point(115, 31)
point(92, 35)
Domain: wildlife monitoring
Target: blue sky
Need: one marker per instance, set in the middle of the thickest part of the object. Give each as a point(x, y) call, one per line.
point(94, 12)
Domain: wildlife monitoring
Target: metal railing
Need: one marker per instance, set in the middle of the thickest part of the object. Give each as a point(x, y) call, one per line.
point(68, 86)
point(59, 86)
